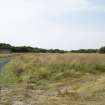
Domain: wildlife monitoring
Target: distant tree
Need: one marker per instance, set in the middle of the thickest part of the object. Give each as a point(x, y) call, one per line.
point(102, 50)
point(56, 51)
point(85, 51)
point(5, 46)
point(23, 49)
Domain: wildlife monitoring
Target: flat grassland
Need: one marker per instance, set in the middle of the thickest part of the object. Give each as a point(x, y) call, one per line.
point(54, 79)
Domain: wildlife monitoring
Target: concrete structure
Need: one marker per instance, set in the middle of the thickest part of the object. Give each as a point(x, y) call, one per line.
point(5, 51)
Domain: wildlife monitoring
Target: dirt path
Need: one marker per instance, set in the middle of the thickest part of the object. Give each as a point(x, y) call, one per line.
point(3, 61)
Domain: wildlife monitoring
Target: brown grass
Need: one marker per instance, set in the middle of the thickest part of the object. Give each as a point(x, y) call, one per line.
point(55, 79)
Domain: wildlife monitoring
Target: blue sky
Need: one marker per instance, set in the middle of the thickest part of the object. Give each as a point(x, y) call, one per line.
point(63, 24)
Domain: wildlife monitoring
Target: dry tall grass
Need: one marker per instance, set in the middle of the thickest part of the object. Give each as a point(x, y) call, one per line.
point(54, 79)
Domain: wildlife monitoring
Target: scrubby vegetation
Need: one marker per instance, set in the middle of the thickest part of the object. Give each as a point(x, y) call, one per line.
point(27, 49)
point(54, 79)
point(102, 50)
point(85, 51)
point(54, 66)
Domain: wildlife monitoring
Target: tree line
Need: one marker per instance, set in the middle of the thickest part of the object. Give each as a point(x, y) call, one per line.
point(85, 51)
point(22, 49)
point(100, 50)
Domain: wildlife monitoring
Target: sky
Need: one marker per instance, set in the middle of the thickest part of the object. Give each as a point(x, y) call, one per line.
point(62, 24)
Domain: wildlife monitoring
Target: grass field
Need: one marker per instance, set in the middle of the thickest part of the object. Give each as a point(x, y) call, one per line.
point(54, 79)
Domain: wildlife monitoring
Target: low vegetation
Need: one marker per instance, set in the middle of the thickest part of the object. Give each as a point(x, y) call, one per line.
point(54, 79)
